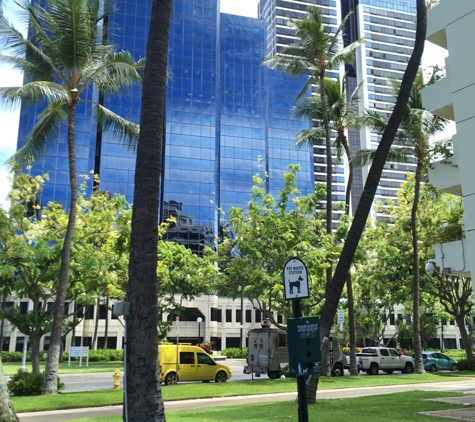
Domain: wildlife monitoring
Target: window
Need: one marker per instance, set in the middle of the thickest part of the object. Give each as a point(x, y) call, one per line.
point(248, 315)
point(103, 312)
point(258, 316)
point(229, 315)
point(384, 352)
point(391, 319)
point(216, 314)
point(238, 315)
point(204, 359)
point(280, 319)
point(187, 358)
point(89, 312)
point(393, 353)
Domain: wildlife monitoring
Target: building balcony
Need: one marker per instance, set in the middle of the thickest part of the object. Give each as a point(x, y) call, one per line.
point(452, 258)
point(438, 99)
point(436, 23)
point(446, 177)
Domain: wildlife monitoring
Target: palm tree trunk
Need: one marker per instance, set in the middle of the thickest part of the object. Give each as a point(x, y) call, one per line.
point(329, 159)
point(418, 367)
point(7, 413)
point(51, 370)
point(367, 197)
point(144, 399)
point(349, 285)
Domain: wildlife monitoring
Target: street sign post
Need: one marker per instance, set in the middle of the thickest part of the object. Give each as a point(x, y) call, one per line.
point(294, 275)
point(295, 280)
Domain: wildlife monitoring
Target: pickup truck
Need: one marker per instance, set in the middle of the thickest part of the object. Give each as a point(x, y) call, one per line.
point(372, 359)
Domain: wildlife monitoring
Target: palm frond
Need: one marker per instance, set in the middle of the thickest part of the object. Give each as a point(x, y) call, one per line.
point(117, 71)
point(125, 130)
point(313, 136)
point(362, 157)
point(35, 92)
point(45, 129)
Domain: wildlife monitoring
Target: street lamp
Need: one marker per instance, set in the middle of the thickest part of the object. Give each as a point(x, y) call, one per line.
point(240, 338)
point(199, 320)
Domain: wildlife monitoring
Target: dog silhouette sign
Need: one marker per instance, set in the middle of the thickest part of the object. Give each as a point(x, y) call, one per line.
point(295, 279)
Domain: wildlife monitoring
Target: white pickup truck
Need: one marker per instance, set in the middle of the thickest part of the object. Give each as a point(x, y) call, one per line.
point(373, 359)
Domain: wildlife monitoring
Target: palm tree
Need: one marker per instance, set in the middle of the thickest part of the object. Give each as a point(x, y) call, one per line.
point(417, 127)
point(143, 395)
point(343, 114)
point(61, 59)
point(316, 52)
point(374, 175)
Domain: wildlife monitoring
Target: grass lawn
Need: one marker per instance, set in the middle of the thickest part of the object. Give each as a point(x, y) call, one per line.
point(200, 390)
point(10, 368)
point(391, 407)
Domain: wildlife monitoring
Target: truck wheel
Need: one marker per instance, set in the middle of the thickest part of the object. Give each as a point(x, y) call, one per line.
point(337, 370)
point(373, 369)
point(221, 376)
point(408, 369)
point(273, 375)
point(171, 379)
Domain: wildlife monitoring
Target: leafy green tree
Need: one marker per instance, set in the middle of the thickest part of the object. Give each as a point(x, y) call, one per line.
point(384, 278)
point(260, 240)
point(417, 127)
point(62, 58)
point(374, 175)
point(31, 249)
point(316, 51)
point(144, 397)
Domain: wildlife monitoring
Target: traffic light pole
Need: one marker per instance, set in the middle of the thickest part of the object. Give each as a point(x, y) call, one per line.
point(301, 384)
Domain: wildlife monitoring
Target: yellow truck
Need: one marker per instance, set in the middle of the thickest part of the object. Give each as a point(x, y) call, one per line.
point(189, 363)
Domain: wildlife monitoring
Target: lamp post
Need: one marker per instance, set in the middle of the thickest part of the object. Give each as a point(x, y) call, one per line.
point(199, 320)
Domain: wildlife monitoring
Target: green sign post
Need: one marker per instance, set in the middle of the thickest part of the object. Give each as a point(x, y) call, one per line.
point(304, 352)
point(294, 275)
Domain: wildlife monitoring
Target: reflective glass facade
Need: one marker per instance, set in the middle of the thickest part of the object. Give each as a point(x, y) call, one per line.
point(389, 27)
point(227, 118)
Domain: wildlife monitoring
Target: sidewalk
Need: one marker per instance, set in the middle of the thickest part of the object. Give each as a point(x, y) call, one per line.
point(463, 414)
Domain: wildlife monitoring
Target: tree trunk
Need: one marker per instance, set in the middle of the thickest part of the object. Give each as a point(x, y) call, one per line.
point(7, 413)
point(35, 352)
point(96, 325)
point(467, 343)
point(329, 210)
point(349, 285)
point(144, 401)
point(367, 197)
point(418, 365)
point(106, 329)
point(51, 371)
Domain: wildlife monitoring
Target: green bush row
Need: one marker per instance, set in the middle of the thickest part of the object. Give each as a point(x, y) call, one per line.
point(234, 352)
point(25, 383)
point(94, 355)
point(466, 365)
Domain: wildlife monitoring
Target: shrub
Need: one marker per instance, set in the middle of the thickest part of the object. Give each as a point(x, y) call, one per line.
point(235, 352)
point(206, 347)
point(466, 365)
point(25, 383)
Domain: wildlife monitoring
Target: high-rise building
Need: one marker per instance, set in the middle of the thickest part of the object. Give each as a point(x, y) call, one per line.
point(227, 118)
point(389, 28)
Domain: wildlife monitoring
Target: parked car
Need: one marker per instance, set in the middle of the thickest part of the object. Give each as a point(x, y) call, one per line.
point(194, 364)
point(433, 361)
point(372, 359)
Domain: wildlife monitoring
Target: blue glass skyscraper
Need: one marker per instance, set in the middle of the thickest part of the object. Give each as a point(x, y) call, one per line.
point(227, 118)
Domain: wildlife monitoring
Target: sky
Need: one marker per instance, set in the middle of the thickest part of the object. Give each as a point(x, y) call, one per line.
point(9, 117)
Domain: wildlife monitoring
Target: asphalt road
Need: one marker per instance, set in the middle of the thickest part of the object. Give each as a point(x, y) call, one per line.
point(101, 381)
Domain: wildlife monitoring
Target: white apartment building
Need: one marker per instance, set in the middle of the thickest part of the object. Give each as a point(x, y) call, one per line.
point(453, 28)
